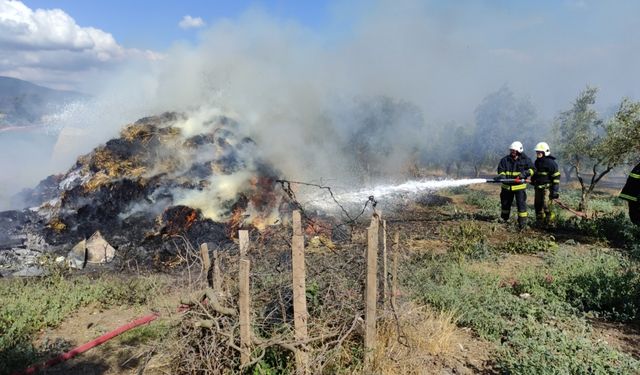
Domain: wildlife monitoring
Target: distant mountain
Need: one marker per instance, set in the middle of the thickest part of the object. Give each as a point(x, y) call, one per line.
point(23, 103)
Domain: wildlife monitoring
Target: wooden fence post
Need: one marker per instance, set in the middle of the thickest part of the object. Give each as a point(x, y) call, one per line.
point(244, 305)
point(243, 237)
point(244, 302)
point(385, 278)
point(206, 262)
point(394, 269)
point(371, 290)
point(299, 292)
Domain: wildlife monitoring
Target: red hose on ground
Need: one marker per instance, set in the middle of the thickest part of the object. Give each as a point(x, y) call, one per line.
point(83, 348)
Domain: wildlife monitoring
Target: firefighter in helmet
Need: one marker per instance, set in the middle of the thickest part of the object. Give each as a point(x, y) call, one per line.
point(631, 193)
point(516, 167)
point(545, 179)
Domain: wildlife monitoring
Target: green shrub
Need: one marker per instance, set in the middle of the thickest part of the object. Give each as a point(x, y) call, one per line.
point(617, 229)
point(539, 349)
point(605, 284)
point(275, 361)
point(468, 241)
point(538, 334)
point(528, 245)
point(483, 201)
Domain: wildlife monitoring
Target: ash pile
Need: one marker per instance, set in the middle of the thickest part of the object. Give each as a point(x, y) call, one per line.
point(165, 178)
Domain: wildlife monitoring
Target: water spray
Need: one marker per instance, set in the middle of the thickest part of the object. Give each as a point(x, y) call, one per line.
point(408, 188)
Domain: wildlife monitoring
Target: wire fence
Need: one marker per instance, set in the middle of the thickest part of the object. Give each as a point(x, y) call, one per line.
point(336, 270)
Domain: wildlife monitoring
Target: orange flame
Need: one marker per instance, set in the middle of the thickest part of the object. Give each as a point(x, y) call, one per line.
point(235, 222)
point(180, 221)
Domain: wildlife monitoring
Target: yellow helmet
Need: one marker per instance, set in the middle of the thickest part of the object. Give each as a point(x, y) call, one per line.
point(543, 147)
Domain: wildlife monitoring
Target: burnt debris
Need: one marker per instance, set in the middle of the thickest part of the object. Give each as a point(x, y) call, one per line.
point(164, 177)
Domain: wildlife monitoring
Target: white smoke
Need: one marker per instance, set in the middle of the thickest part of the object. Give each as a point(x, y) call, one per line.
point(216, 199)
point(300, 93)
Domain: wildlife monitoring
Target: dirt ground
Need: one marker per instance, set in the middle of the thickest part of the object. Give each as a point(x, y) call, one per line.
point(439, 346)
point(115, 356)
point(624, 337)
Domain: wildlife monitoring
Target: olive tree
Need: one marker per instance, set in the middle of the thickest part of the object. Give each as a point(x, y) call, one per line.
point(592, 147)
point(622, 143)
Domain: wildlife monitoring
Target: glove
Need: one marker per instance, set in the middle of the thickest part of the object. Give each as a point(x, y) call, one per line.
point(555, 195)
point(518, 180)
point(497, 178)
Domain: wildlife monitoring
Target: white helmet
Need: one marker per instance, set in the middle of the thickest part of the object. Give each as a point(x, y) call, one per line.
point(543, 147)
point(517, 145)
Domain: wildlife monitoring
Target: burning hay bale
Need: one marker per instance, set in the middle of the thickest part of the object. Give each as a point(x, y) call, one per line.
point(166, 176)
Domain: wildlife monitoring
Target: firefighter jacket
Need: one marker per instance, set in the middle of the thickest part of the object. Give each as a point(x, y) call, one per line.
point(509, 168)
point(631, 190)
point(547, 174)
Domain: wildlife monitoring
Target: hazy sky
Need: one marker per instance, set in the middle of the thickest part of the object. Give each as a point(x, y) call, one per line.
point(454, 51)
point(292, 72)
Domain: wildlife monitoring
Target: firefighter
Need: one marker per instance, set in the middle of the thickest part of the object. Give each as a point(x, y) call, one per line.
point(516, 167)
point(631, 193)
point(545, 179)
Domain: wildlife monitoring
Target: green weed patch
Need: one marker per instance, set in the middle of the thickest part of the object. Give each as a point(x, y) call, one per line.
point(28, 306)
point(603, 283)
point(528, 245)
point(534, 318)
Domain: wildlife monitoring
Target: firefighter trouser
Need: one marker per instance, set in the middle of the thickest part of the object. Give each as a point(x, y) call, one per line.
point(543, 205)
point(506, 199)
point(634, 212)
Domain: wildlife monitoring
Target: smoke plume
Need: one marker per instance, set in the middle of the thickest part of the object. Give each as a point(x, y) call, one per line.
point(357, 99)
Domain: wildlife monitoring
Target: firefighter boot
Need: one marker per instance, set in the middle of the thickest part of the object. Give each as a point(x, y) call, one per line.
point(522, 222)
point(551, 219)
point(504, 215)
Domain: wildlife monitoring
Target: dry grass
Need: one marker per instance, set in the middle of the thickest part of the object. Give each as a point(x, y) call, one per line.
point(137, 132)
point(97, 180)
point(424, 334)
point(422, 246)
point(57, 225)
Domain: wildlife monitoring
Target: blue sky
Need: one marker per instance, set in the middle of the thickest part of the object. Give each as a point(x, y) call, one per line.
point(154, 24)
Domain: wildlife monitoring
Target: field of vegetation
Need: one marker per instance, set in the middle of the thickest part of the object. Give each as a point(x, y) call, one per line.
point(477, 296)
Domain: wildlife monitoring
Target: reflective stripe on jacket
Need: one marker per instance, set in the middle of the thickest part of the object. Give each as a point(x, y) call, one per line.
point(547, 174)
point(522, 167)
point(631, 189)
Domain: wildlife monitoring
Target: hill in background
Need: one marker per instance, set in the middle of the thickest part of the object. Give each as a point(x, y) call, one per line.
point(24, 103)
point(28, 132)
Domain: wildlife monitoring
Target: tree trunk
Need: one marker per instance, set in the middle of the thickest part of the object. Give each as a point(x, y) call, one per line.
point(584, 201)
point(582, 206)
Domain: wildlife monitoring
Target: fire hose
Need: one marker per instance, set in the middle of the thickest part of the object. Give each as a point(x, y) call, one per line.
point(566, 207)
point(91, 344)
